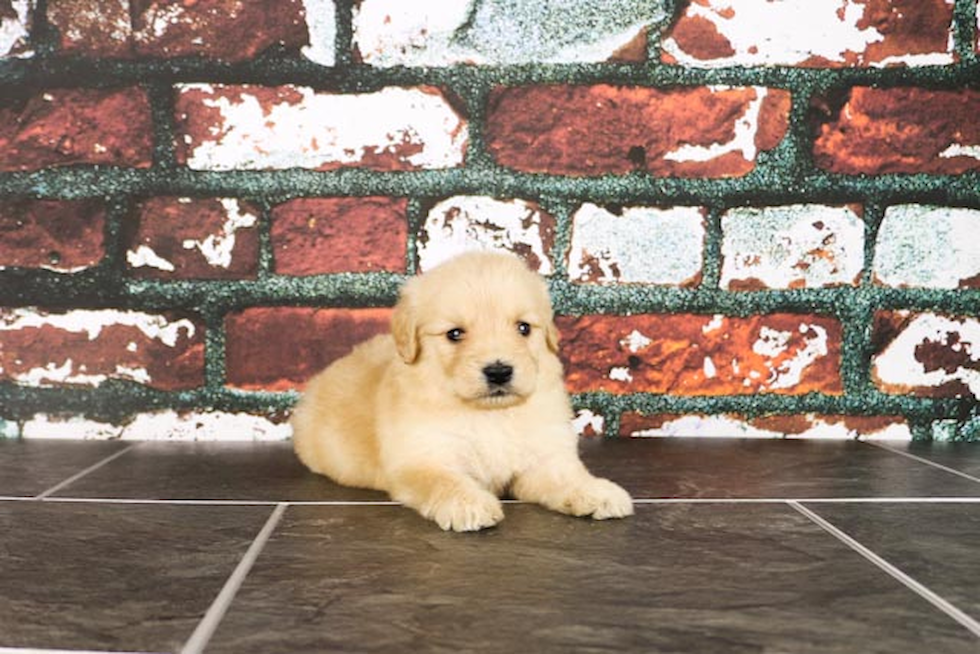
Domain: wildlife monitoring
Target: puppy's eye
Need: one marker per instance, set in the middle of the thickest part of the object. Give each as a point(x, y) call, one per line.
point(524, 329)
point(455, 334)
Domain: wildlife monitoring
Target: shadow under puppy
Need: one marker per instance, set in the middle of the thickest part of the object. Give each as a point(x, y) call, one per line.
point(464, 401)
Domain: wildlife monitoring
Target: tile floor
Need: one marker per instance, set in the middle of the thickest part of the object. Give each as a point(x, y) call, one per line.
point(736, 546)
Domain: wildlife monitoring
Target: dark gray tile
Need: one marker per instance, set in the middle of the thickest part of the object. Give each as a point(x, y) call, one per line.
point(674, 578)
point(112, 576)
point(212, 470)
point(30, 467)
point(762, 468)
point(961, 456)
point(651, 468)
point(935, 544)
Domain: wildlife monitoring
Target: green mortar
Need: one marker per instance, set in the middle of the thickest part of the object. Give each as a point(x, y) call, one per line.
point(784, 175)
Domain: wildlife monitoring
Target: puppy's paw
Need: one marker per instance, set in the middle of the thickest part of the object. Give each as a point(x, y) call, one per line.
point(599, 498)
point(466, 511)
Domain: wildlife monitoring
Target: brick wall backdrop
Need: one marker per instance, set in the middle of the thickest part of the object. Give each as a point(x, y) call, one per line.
point(757, 217)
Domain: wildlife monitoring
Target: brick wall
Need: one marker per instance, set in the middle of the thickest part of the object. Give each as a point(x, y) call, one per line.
point(756, 217)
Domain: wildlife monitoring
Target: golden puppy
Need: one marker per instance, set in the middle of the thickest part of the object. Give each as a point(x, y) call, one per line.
point(462, 402)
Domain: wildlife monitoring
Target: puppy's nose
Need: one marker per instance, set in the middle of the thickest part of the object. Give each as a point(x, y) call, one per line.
point(498, 373)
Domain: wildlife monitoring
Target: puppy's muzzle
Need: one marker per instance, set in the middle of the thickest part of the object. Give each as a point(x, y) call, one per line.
point(498, 374)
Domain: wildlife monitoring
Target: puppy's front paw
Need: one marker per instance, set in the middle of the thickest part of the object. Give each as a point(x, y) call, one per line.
point(599, 498)
point(466, 511)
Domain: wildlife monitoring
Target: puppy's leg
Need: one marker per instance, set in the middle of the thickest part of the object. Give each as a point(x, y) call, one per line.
point(453, 500)
point(563, 484)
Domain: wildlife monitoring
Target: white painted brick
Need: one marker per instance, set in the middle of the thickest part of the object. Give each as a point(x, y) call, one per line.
point(262, 128)
point(924, 246)
point(15, 30)
point(588, 424)
point(89, 347)
point(791, 32)
point(464, 223)
point(161, 426)
point(796, 246)
point(814, 427)
point(641, 245)
point(9, 429)
point(930, 355)
point(321, 24)
point(92, 322)
point(774, 344)
point(444, 32)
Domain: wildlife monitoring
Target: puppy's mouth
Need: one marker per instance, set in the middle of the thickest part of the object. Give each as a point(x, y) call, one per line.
point(498, 397)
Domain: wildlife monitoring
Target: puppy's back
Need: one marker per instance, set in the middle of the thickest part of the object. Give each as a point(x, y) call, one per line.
point(334, 423)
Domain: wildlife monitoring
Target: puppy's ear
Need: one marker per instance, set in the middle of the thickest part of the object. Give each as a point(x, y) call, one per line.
point(404, 327)
point(551, 336)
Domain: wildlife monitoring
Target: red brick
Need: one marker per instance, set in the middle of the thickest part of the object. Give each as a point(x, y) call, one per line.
point(184, 238)
point(698, 38)
point(313, 236)
point(901, 130)
point(77, 126)
point(84, 347)
point(229, 30)
point(95, 28)
point(687, 354)
point(64, 236)
point(224, 29)
point(280, 348)
point(594, 130)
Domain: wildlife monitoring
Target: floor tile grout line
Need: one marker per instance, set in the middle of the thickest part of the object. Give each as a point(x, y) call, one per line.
point(944, 605)
point(814, 500)
point(86, 471)
point(212, 618)
point(934, 464)
point(638, 501)
point(42, 650)
point(201, 502)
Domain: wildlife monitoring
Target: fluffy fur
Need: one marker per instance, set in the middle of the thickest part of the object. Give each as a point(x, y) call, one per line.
point(429, 414)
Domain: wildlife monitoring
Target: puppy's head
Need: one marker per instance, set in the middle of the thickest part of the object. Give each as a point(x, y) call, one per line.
point(481, 324)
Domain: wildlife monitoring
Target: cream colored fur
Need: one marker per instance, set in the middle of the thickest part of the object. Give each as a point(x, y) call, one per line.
point(413, 413)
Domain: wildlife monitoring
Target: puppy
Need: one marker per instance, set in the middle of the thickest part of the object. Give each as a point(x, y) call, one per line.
point(462, 402)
